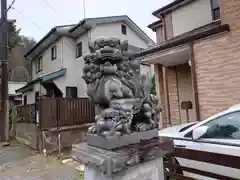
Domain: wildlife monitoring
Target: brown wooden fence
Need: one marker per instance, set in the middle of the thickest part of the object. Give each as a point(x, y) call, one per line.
point(58, 112)
point(173, 170)
point(27, 113)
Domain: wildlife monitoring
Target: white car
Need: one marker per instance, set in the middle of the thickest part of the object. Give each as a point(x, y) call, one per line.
point(220, 133)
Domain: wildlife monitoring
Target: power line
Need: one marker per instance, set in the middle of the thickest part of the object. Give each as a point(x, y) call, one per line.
point(11, 5)
point(34, 23)
point(39, 27)
point(56, 10)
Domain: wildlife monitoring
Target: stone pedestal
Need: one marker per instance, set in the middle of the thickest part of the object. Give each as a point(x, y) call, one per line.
point(141, 161)
point(151, 170)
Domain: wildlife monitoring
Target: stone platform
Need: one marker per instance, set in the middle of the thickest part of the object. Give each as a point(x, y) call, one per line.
point(120, 141)
point(118, 163)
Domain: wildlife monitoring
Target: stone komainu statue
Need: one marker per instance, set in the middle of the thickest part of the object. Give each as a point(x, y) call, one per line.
point(120, 94)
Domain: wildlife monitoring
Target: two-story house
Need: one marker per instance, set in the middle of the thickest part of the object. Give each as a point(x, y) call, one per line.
point(57, 59)
point(197, 58)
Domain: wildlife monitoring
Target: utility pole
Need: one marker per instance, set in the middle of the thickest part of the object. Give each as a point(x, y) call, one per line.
point(84, 9)
point(4, 110)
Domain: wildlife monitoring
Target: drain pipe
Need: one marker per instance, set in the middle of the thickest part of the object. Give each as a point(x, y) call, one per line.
point(165, 81)
point(62, 54)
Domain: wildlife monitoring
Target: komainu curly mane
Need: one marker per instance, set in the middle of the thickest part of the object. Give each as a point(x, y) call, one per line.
point(110, 61)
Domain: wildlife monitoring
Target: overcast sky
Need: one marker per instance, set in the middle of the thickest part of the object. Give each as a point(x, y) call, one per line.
point(36, 17)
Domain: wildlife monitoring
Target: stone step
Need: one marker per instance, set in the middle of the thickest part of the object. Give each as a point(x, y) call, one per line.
point(70, 162)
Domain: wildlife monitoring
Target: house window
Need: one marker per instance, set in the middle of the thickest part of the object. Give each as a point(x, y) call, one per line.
point(38, 64)
point(215, 9)
point(54, 52)
point(24, 99)
point(79, 49)
point(71, 92)
point(124, 29)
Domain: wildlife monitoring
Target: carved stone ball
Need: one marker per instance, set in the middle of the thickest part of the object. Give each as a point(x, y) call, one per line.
point(112, 42)
point(148, 114)
point(124, 45)
point(147, 107)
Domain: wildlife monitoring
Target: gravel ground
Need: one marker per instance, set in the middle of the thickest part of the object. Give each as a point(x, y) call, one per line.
point(20, 163)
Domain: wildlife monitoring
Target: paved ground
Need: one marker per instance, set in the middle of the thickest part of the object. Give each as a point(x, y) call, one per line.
point(20, 163)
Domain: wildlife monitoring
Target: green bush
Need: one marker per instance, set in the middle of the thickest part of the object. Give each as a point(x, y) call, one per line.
point(153, 88)
point(81, 175)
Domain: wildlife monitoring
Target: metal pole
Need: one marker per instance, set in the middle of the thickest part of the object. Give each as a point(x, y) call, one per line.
point(4, 121)
point(84, 9)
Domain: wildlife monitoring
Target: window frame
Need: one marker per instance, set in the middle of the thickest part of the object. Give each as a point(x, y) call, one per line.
point(124, 29)
point(71, 92)
point(54, 52)
point(214, 9)
point(39, 64)
point(78, 54)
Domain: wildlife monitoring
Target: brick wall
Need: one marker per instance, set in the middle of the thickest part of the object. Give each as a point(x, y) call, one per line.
point(173, 95)
point(218, 64)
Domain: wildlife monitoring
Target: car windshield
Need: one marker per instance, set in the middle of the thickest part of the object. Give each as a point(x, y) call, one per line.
point(186, 127)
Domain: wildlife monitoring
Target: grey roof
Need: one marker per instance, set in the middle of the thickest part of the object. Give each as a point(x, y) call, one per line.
point(83, 26)
point(13, 86)
point(49, 38)
point(88, 23)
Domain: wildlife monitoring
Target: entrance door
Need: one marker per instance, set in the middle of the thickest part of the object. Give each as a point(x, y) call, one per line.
point(185, 91)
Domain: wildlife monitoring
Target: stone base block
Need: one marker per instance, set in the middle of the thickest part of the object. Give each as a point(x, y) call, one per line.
point(120, 141)
point(150, 170)
point(124, 160)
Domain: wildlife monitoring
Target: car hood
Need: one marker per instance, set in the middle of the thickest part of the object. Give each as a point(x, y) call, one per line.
point(174, 130)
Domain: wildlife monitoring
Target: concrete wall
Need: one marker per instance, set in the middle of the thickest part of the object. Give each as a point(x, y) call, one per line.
point(191, 16)
point(28, 134)
point(71, 135)
point(49, 65)
point(114, 30)
point(73, 76)
point(31, 94)
point(66, 58)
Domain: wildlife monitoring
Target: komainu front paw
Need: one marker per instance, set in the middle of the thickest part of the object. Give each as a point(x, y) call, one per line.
point(92, 129)
point(141, 127)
